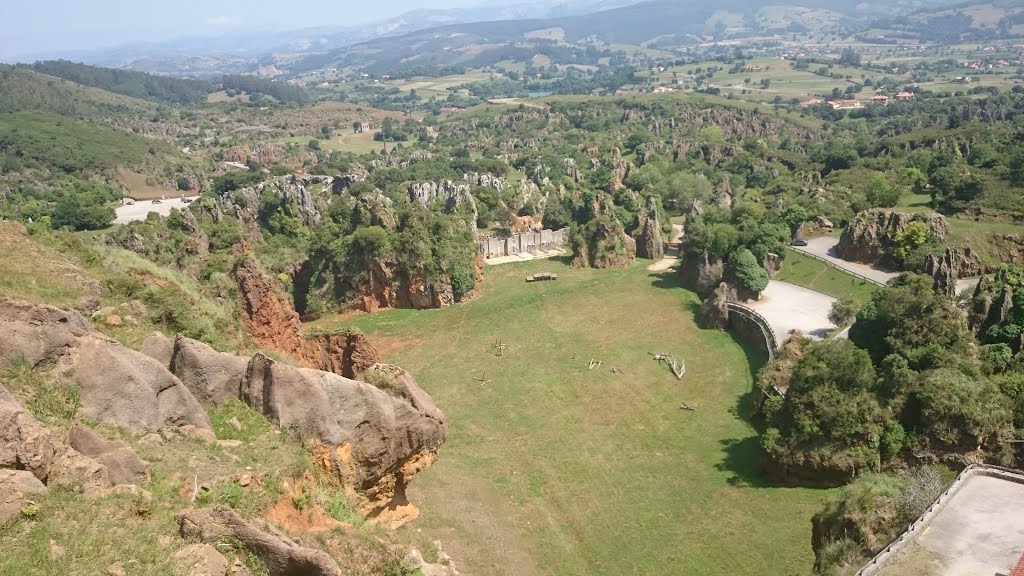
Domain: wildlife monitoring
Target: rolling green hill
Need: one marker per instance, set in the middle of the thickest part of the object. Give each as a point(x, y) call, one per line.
point(22, 89)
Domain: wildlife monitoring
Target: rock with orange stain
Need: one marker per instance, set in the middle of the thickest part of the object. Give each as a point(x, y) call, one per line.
point(370, 438)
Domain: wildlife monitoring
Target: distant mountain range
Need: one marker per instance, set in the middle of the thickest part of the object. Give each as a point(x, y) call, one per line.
point(496, 32)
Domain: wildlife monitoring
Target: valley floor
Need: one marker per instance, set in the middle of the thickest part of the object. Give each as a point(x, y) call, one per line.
point(554, 468)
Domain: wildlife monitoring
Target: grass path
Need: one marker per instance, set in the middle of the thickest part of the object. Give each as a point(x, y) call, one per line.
point(552, 468)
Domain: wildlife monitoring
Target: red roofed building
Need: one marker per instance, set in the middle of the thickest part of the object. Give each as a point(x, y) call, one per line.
point(1019, 570)
point(905, 96)
point(880, 99)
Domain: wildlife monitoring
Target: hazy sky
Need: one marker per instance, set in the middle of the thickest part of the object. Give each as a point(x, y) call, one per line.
point(29, 27)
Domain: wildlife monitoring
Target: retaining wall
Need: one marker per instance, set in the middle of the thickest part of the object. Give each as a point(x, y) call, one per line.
point(753, 329)
point(526, 242)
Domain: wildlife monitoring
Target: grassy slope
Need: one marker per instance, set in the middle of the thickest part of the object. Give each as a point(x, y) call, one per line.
point(592, 472)
point(36, 273)
point(54, 140)
point(811, 273)
point(22, 89)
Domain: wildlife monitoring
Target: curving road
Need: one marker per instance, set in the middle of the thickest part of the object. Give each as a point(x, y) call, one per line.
point(824, 247)
point(138, 211)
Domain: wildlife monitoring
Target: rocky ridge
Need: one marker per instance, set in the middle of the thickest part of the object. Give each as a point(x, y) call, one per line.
point(872, 231)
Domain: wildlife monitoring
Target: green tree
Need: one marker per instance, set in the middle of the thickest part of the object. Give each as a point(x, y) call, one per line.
point(910, 319)
point(750, 276)
point(914, 235)
point(843, 311)
point(955, 187)
point(881, 192)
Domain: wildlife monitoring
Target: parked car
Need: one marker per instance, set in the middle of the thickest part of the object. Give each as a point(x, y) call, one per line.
point(798, 242)
point(186, 200)
point(157, 202)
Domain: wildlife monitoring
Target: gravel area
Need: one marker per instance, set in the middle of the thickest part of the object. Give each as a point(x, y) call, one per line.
point(142, 208)
point(789, 307)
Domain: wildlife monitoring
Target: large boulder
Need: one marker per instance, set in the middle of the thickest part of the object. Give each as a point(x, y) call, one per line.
point(872, 231)
point(16, 486)
point(200, 560)
point(368, 438)
point(603, 243)
point(128, 388)
point(159, 347)
point(39, 334)
point(117, 384)
point(123, 465)
point(212, 377)
point(25, 444)
point(281, 556)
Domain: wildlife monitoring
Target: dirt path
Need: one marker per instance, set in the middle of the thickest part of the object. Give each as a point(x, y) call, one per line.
point(672, 254)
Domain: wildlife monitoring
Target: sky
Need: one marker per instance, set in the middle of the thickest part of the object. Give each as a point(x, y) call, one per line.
point(33, 27)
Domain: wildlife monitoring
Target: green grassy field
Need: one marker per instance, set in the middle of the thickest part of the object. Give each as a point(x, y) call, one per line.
point(810, 273)
point(343, 141)
point(552, 468)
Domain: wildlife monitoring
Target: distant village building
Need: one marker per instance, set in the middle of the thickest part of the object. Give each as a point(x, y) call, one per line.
point(905, 96)
point(811, 102)
point(880, 99)
point(845, 104)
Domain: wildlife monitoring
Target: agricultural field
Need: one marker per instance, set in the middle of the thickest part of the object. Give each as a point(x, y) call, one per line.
point(554, 468)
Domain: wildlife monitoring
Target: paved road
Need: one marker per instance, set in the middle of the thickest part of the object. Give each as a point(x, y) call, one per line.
point(824, 247)
point(142, 208)
point(789, 307)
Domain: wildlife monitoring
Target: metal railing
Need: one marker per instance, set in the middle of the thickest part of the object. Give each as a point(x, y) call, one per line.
point(769, 335)
point(832, 264)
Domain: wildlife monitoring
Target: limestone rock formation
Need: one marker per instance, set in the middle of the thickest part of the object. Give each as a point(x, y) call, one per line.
point(649, 240)
point(773, 264)
point(123, 465)
point(128, 388)
point(282, 556)
point(16, 487)
point(117, 384)
point(954, 264)
point(369, 438)
point(866, 238)
point(26, 445)
point(604, 244)
point(701, 273)
point(212, 377)
point(714, 312)
point(451, 195)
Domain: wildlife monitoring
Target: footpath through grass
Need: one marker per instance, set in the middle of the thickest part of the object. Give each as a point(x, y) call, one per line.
point(816, 275)
point(553, 468)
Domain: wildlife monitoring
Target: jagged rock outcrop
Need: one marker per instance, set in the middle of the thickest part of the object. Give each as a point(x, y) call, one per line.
point(28, 446)
point(274, 324)
point(372, 439)
point(281, 555)
point(603, 243)
point(714, 311)
point(117, 384)
point(572, 170)
point(990, 306)
point(772, 263)
point(954, 264)
point(701, 273)
point(620, 169)
point(649, 240)
point(378, 210)
point(294, 194)
point(453, 197)
point(872, 231)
